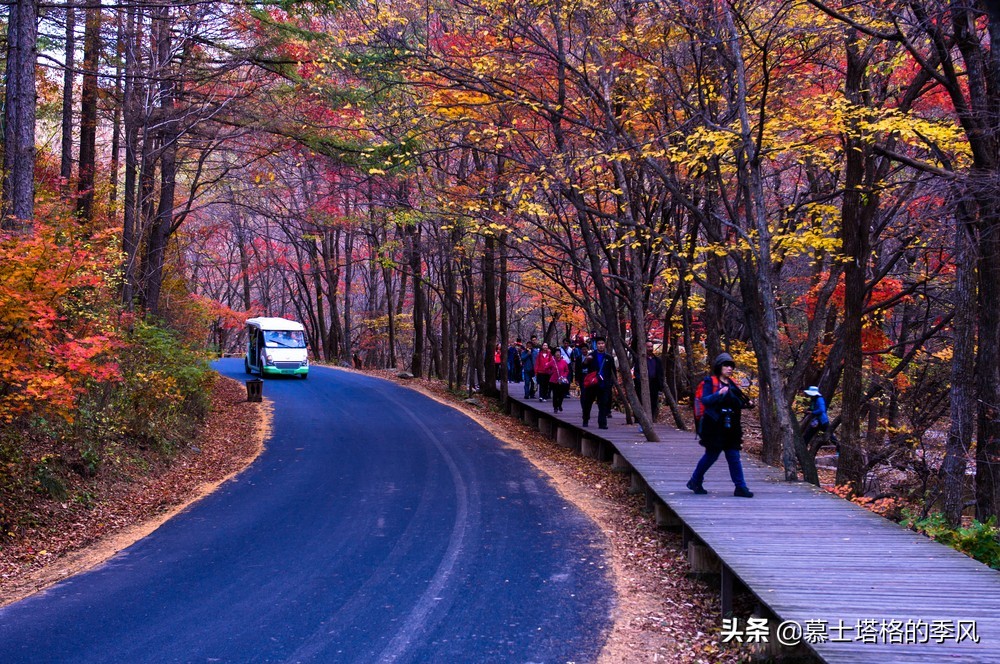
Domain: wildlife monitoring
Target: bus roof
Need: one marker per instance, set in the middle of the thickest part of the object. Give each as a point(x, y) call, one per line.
point(268, 323)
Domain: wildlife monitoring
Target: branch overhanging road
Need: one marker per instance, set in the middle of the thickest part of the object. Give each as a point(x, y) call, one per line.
point(377, 526)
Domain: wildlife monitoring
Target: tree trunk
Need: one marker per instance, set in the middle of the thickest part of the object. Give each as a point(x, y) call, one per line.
point(988, 365)
point(69, 75)
point(504, 323)
point(759, 303)
point(413, 248)
point(88, 114)
point(132, 120)
point(489, 386)
point(18, 205)
point(168, 132)
point(348, 343)
point(855, 237)
point(116, 119)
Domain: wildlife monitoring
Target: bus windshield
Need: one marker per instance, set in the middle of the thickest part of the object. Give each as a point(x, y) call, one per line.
point(284, 339)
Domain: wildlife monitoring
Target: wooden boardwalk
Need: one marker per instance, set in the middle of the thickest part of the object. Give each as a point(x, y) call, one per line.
point(858, 587)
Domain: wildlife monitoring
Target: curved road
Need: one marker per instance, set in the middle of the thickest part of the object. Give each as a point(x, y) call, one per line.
point(377, 526)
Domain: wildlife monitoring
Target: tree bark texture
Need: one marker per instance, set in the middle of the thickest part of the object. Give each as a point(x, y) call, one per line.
point(18, 204)
point(88, 114)
point(69, 75)
point(963, 411)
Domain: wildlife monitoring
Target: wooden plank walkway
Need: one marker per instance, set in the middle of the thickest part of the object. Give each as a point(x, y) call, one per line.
point(859, 587)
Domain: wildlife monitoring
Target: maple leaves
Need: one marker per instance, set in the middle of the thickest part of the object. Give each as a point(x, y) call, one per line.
point(54, 340)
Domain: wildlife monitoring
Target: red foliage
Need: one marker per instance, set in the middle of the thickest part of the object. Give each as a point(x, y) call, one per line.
point(54, 340)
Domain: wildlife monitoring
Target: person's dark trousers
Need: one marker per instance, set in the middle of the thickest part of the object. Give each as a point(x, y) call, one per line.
point(559, 392)
point(587, 399)
point(543, 386)
point(603, 406)
point(529, 387)
point(710, 457)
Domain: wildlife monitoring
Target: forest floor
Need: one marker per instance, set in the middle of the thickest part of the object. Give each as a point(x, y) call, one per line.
point(662, 613)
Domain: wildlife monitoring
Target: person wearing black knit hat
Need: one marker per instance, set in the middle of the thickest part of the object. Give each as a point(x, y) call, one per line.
point(721, 431)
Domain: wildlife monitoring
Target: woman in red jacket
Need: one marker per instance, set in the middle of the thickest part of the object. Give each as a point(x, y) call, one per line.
point(544, 366)
point(559, 379)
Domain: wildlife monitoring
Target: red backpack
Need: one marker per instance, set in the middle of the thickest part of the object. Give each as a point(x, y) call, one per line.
point(699, 394)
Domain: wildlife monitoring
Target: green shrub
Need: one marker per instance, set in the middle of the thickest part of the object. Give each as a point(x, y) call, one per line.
point(160, 401)
point(980, 540)
point(47, 477)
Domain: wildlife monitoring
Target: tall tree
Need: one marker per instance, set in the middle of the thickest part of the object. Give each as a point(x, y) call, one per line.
point(17, 207)
point(69, 75)
point(88, 112)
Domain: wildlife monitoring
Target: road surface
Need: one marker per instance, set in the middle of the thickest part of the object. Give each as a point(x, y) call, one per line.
point(377, 526)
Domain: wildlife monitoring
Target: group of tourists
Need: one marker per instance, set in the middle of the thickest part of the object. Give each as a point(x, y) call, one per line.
point(550, 372)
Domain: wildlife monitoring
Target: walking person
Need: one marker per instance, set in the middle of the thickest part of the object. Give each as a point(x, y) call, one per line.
point(528, 371)
point(559, 379)
point(654, 369)
point(720, 430)
point(544, 366)
point(819, 420)
point(514, 362)
point(497, 359)
point(576, 361)
point(567, 346)
point(598, 380)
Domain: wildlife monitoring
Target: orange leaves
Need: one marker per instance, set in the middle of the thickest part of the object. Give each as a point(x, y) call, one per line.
point(53, 287)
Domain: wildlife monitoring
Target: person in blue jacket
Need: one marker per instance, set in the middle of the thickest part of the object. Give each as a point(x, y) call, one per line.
point(819, 420)
point(721, 430)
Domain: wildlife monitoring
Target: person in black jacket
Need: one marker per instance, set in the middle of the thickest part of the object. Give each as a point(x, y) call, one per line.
point(601, 363)
point(721, 431)
point(514, 362)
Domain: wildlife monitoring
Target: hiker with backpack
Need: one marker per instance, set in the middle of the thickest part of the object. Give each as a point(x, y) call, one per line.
point(819, 420)
point(718, 402)
point(598, 379)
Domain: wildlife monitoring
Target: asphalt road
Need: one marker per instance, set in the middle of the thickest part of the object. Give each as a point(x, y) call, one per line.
point(377, 526)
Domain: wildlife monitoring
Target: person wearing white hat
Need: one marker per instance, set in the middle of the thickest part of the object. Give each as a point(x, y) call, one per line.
point(819, 419)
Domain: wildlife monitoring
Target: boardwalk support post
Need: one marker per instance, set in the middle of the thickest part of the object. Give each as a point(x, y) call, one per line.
point(665, 517)
point(567, 437)
point(702, 559)
point(650, 499)
point(726, 588)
